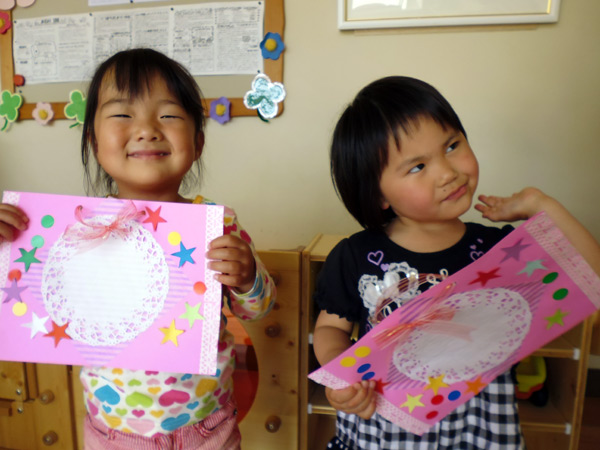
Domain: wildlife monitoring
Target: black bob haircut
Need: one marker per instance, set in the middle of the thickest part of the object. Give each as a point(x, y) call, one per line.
point(361, 140)
point(132, 72)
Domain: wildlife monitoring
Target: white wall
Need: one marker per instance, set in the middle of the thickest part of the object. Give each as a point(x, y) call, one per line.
point(529, 98)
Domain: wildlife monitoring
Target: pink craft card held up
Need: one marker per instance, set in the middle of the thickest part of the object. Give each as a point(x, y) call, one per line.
point(444, 346)
point(109, 282)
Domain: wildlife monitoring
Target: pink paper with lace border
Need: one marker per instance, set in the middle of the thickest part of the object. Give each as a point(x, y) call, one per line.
point(444, 346)
point(108, 282)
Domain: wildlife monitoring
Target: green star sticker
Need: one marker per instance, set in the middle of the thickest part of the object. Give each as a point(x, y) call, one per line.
point(76, 108)
point(192, 314)
point(28, 257)
point(556, 319)
point(9, 107)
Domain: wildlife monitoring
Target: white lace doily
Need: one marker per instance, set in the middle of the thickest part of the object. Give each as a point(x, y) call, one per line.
point(501, 318)
point(82, 283)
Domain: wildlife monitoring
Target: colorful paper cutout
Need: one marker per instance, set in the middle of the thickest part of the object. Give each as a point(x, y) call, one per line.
point(264, 96)
point(75, 109)
point(10, 4)
point(92, 281)
point(5, 22)
point(444, 346)
point(220, 110)
point(9, 107)
point(43, 113)
point(272, 46)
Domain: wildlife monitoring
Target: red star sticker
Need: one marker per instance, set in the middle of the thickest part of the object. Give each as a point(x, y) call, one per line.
point(58, 333)
point(380, 385)
point(484, 277)
point(154, 217)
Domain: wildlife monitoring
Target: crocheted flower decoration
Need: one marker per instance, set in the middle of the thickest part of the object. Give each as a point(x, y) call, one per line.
point(10, 4)
point(220, 110)
point(264, 96)
point(76, 108)
point(9, 107)
point(5, 22)
point(43, 113)
point(272, 46)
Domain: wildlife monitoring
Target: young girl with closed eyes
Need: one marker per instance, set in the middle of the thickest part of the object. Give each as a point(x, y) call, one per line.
point(144, 127)
point(402, 165)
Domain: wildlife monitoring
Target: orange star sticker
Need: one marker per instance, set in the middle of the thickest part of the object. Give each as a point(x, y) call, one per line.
point(475, 386)
point(154, 217)
point(58, 333)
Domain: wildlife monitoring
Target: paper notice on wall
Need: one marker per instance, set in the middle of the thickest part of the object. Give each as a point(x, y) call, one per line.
point(208, 39)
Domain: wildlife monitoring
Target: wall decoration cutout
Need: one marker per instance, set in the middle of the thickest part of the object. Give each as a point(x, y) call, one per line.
point(444, 346)
point(9, 107)
point(265, 96)
point(75, 109)
point(272, 46)
point(102, 281)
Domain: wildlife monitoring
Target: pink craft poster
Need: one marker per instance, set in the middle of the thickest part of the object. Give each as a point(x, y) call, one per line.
point(109, 282)
point(444, 346)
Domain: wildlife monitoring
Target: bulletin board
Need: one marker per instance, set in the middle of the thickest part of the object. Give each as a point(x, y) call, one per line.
point(233, 87)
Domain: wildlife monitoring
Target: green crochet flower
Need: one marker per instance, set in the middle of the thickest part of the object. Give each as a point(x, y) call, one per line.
point(9, 107)
point(76, 109)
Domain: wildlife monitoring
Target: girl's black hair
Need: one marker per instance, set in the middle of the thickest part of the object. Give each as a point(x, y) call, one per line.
point(132, 72)
point(362, 136)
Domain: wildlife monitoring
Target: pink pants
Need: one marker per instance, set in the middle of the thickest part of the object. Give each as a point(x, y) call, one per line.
point(219, 431)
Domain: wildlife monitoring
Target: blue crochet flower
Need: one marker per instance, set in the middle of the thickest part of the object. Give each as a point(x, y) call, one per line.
point(272, 46)
point(264, 96)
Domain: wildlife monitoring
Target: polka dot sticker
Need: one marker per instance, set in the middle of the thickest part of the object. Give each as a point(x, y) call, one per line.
point(431, 415)
point(14, 275)
point(348, 361)
point(19, 309)
point(437, 399)
point(550, 277)
point(363, 368)
point(454, 395)
point(560, 294)
point(47, 221)
point(37, 241)
point(363, 351)
point(174, 238)
point(368, 376)
point(199, 288)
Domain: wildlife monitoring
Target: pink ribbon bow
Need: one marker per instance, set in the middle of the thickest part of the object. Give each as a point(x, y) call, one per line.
point(434, 318)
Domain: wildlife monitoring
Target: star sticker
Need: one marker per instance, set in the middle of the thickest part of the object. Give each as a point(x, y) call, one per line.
point(532, 266)
point(556, 319)
point(171, 334)
point(154, 217)
point(37, 325)
point(412, 402)
point(435, 383)
point(192, 314)
point(13, 291)
point(184, 254)
point(484, 277)
point(514, 252)
point(58, 332)
point(475, 386)
point(380, 385)
point(28, 257)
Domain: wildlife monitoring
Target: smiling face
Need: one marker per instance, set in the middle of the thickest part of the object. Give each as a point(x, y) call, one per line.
point(146, 144)
point(433, 176)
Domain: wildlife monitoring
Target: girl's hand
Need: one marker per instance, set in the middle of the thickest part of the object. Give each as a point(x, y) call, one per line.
point(12, 220)
point(519, 206)
point(357, 399)
point(234, 259)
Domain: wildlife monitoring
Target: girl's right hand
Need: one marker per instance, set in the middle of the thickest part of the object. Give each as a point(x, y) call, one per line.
point(12, 220)
point(357, 399)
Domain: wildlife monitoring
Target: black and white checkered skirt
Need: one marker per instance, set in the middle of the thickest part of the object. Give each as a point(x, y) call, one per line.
point(488, 421)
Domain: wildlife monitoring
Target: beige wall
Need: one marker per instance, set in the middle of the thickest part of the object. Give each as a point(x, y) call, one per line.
point(529, 98)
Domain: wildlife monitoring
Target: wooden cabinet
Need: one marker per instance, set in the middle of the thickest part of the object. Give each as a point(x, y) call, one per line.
point(41, 405)
point(555, 426)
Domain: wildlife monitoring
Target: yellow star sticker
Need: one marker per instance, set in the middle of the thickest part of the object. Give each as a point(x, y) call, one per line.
point(435, 383)
point(412, 402)
point(171, 334)
point(475, 386)
point(556, 319)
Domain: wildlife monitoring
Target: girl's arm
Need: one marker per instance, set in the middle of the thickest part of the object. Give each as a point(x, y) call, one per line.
point(12, 220)
point(251, 288)
point(332, 337)
point(531, 201)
